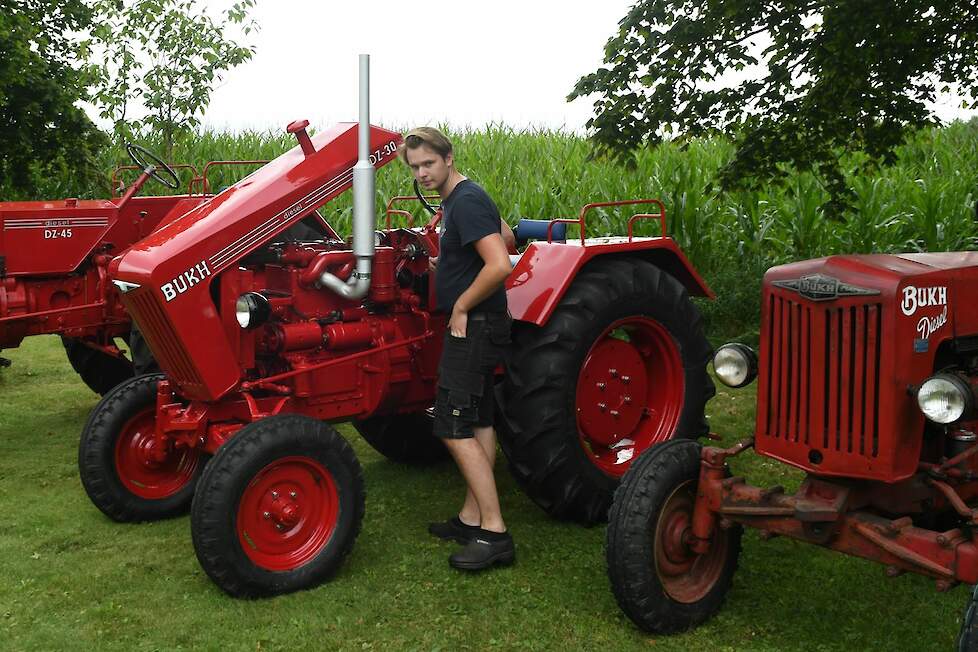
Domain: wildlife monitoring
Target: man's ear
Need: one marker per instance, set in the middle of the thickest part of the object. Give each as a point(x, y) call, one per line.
point(449, 159)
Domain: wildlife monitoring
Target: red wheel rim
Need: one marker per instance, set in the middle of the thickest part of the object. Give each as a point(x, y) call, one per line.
point(629, 392)
point(288, 513)
point(686, 576)
point(146, 468)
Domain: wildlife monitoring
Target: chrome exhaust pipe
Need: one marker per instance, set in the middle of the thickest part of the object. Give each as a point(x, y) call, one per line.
point(364, 194)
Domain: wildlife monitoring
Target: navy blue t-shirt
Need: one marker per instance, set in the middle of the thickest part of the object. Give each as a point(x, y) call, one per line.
point(469, 215)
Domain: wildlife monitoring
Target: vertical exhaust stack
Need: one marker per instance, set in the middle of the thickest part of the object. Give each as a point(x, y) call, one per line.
point(364, 194)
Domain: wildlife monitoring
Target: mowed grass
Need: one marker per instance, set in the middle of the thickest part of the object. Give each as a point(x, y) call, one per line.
point(73, 579)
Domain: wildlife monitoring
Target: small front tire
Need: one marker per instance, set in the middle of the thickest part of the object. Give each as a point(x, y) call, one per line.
point(278, 508)
point(120, 468)
point(660, 584)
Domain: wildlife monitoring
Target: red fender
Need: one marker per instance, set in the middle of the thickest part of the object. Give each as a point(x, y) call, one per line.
point(545, 271)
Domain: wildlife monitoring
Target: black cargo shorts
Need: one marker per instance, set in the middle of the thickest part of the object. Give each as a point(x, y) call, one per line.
point(466, 375)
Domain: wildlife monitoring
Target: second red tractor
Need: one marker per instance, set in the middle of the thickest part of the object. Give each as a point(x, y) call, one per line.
point(265, 344)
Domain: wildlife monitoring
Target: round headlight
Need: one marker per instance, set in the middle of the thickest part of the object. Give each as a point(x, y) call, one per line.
point(944, 398)
point(252, 309)
point(735, 364)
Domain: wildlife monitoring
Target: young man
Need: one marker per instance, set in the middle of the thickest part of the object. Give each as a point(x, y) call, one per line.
point(472, 264)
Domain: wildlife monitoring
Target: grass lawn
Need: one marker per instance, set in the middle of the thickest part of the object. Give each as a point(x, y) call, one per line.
point(72, 579)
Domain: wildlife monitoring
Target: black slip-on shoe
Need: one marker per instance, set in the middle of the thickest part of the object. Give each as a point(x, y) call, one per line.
point(454, 530)
point(482, 553)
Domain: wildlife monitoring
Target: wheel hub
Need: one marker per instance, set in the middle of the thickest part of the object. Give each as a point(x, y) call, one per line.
point(612, 378)
point(685, 575)
point(630, 392)
point(287, 513)
point(148, 467)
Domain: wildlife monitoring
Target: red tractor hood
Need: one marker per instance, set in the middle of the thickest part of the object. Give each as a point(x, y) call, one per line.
point(216, 234)
point(844, 339)
point(166, 278)
point(876, 269)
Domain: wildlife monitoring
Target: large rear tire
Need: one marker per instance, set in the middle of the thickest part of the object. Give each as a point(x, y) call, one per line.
point(662, 585)
point(619, 366)
point(122, 472)
point(404, 438)
point(99, 370)
point(278, 508)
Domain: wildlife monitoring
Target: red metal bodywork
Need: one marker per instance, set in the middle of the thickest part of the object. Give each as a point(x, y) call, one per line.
point(319, 354)
point(834, 375)
point(55, 255)
point(845, 342)
point(175, 267)
point(546, 269)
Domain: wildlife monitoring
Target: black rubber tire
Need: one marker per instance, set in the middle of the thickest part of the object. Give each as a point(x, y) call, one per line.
point(99, 370)
point(630, 544)
point(968, 637)
point(213, 519)
point(143, 361)
point(96, 456)
point(538, 428)
point(404, 438)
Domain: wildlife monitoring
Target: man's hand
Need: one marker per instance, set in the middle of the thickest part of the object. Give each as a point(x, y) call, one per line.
point(458, 322)
point(432, 262)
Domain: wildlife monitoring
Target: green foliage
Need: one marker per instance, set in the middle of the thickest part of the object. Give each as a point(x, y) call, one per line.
point(925, 201)
point(161, 59)
point(834, 78)
point(42, 132)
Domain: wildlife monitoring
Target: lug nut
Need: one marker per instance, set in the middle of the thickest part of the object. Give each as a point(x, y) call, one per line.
point(626, 399)
point(266, 515)
point(602, 406)
point(614, 413)
point(625, 379)
point(613, 372)
point(274, 495)
point(292, 494)
point(601, 386)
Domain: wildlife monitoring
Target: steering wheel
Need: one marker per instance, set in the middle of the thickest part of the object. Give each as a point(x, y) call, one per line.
point(424, 200)
point(136, 151)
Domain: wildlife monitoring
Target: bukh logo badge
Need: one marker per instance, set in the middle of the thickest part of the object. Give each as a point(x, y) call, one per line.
point(185, 281)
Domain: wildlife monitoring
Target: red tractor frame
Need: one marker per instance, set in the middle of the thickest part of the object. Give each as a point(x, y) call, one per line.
point(264, 343)
point(867, 373)
point(54, 258)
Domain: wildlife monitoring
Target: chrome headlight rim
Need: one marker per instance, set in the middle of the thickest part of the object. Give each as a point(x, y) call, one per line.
point(953, 390)
point(744, 361)
point(252, 309)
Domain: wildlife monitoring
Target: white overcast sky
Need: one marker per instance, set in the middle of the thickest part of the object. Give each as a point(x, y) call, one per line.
point(460, 62)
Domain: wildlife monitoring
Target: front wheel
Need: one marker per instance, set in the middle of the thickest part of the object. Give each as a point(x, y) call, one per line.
point(126, 471)
point(658, 581)
point(278, 508)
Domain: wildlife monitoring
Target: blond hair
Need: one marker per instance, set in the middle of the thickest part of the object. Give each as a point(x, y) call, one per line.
point(434, 139)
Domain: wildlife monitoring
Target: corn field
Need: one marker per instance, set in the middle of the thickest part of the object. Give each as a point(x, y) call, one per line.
point(926, 202)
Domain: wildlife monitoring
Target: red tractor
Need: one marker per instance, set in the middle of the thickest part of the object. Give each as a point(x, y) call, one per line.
point(867, 384)
point(54, 258)
point(264, 343)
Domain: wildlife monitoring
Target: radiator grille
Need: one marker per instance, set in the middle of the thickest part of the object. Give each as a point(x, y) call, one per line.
point(171, 356)
point(822, 369)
